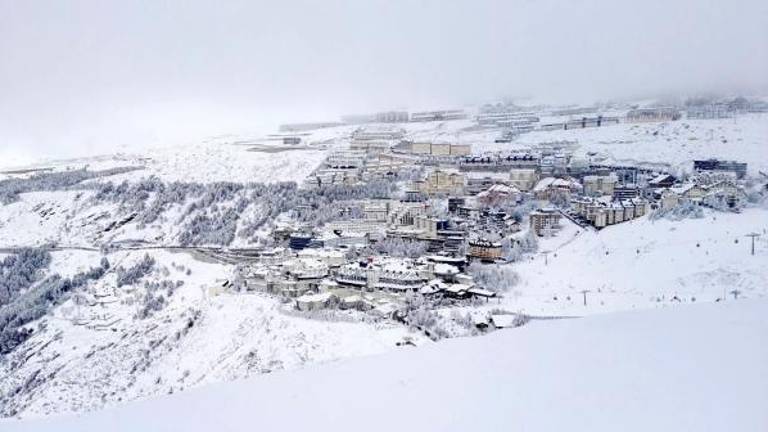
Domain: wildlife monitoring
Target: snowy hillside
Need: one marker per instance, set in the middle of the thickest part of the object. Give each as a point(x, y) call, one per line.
point(675, 143)
point(702, 367)
point(644, 263)
point(77, 335)
point(102, 346)
point(226, 158)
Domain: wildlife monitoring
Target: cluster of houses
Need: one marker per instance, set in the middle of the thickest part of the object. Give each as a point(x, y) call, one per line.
point(404, 117)
point(601, 212)
point(316, 278)
point(456, 207)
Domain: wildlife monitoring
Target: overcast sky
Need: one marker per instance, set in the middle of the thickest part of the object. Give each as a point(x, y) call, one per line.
point(87, 77)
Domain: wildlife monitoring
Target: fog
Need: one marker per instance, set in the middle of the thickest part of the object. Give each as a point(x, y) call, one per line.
point(90, 77)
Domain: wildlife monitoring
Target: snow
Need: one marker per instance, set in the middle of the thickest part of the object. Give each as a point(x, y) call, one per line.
point(88, 352)
point(643, 263)
point(701, 367)
point(96, 353)
point(675, 143)
point(230, 158)
point(503, 321)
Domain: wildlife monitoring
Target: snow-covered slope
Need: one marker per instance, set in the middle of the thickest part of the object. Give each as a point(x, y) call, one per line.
point(644, 263)
point(229, 158)
point(93, 350)
point(702, 368)
point(675, 143)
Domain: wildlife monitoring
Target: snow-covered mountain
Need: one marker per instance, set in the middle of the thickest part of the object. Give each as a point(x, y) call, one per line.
point(115, 338)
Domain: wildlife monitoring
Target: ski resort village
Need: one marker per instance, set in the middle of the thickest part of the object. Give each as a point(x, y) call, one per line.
point(132, 275)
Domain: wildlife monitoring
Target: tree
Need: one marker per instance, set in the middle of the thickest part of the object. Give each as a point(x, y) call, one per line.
point(493, 277)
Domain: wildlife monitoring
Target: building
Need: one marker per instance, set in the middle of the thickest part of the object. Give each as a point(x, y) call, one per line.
point(574, 111)
point(554, 165)
point(330, 257)
point(346, 159)
point(430, 226)
point(379, 117)
point(709, 111)
point(550, 188)
point(299, 241)
point(292, 288)
point(291, 140)
point(506, 118)
point(391, 117)
point(382, 132)
point(306, 268)
point(371, 227)
point(581, 123)
point(740, 168)
point(601, 212)
point(499, 163)
point(484, 250)
point(705, 189)
point(595, 185)
point(623, 192)
point(375, 140)
point(406, 212)
point(333, 176)
point(412, 195)
point(397, 275)
point(310, 302)
point(442, 181)
point(662, 181)
point(370, 146)
point(440, 149)
point(523, 179)
point(426, 116)
point(498, 193)
point(454, 203)
point(544, 221)
point(377, 210)
point(669, 199)
point(644, 115)
point(479, 181)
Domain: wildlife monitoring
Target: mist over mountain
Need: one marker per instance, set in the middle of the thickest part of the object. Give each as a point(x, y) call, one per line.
point(79, 78)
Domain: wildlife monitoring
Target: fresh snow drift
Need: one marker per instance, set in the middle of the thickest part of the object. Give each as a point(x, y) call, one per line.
point(702, 367)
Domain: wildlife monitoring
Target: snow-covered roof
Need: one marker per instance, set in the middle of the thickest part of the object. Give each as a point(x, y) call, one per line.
point(316, 298)
point(354, 298)
point(681, 189)
point(447, 269)
point(457, 288)
point(479, 175)
point(552, 182)
point(325, 253)
point(499, 189)
point(660, 178)
point(481, 292)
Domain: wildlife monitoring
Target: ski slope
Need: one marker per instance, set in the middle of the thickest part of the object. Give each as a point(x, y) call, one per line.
point(644, 263)
point(702, 368)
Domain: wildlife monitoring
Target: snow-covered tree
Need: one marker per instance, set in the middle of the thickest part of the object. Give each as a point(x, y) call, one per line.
point(133, 274)
point(494, 277)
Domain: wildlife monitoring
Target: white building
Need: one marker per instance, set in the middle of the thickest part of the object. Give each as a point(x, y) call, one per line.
point(310, 302)
point(524, 178)
point(330, 257)
point(398, 275)
point(306, 268)
point(595, 185)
